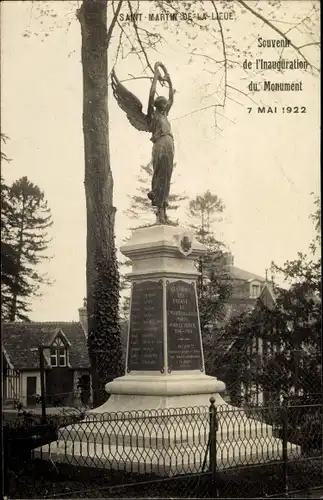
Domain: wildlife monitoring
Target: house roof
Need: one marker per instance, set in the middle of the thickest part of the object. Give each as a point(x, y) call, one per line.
point(21, 340)
point(267, 297)
point(241, 274)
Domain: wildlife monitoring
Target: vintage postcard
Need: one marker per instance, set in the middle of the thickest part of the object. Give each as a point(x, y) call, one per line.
point(161, 247)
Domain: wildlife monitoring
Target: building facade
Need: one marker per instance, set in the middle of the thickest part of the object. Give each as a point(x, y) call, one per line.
point(57, 348)
point(247, 289)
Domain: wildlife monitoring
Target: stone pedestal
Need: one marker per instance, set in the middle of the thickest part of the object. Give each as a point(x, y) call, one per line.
point(164, 361)
point(164, 370)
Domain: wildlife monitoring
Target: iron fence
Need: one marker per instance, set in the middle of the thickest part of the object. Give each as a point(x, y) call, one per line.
point(198, 452)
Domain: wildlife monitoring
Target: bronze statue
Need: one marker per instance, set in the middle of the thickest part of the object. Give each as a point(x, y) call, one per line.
point(156, 122)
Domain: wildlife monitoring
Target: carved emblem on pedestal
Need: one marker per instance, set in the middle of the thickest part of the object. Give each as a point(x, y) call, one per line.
point(185, 243)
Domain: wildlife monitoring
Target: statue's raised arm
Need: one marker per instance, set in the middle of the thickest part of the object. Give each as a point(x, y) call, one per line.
point(166, 78)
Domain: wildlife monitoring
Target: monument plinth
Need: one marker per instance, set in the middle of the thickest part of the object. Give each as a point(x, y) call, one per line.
point(164, 360)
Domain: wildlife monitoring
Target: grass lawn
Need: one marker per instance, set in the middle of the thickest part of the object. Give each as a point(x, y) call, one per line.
point(39, 479)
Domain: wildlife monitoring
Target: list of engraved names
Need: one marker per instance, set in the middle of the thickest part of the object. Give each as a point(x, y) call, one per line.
point(146, 327)
point(183, 332)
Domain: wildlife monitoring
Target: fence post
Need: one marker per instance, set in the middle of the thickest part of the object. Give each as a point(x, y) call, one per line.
point(6, 454)
point(285, 442)
point(42, 384)
point(213, 443)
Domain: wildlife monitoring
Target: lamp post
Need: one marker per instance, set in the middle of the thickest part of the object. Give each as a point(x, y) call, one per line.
point(40, 350)
point(42, 383)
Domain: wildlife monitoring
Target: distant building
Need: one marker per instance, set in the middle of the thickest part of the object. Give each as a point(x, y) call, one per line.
point(247, 290)
point(66, 362)
point(246, 287)
point(254, 349)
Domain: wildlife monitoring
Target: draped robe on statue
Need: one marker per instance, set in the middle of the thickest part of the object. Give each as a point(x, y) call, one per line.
point(162, 158)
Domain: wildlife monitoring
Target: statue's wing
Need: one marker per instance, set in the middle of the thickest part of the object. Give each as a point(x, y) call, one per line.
point(130, 104)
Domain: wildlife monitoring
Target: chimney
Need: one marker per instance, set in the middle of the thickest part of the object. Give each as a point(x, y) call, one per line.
point(228, 259)
point(83, 316)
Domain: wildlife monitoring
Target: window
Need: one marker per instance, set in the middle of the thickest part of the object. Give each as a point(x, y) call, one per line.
point(62, 356)
point(53, 356)
point(58, 353)
point(255, 291)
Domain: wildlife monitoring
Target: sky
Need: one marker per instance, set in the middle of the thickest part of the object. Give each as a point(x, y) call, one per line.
point(263, 166)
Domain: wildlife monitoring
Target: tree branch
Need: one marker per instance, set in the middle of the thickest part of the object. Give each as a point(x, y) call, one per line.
point(242, 92)
point(135, 78)
point(224, 53)
point(190, 21)
point(120, 37)
point(113, 22)
point(138, 38)
point(193, 53)
point(309, 44)
point(277, 30)
point(203, 109)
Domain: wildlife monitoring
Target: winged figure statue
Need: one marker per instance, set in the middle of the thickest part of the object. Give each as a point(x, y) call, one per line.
point(156, 122)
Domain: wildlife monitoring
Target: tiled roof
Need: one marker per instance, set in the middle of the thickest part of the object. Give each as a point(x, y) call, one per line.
point(19, 340)
point(267, 297)
point(241, 274)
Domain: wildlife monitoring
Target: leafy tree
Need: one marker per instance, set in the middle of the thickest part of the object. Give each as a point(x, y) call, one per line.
point(300, 309)
point(8, 258)
point(4, 139)
point(231, 362)
point(8, 254)
point(214, 284)
point(289, 361)
point(26, 219)
point(206, 209)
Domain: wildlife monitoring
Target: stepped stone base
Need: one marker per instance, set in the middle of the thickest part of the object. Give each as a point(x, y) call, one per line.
point(165, 445)
point(162, 461)
point(141, 391)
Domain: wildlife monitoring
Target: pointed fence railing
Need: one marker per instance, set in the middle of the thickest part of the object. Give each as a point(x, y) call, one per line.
point(207, 450)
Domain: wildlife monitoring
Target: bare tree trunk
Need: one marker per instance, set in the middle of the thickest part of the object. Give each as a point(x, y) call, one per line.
point(101, 269)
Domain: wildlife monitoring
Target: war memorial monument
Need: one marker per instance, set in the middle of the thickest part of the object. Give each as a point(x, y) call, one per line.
point(144, 425)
